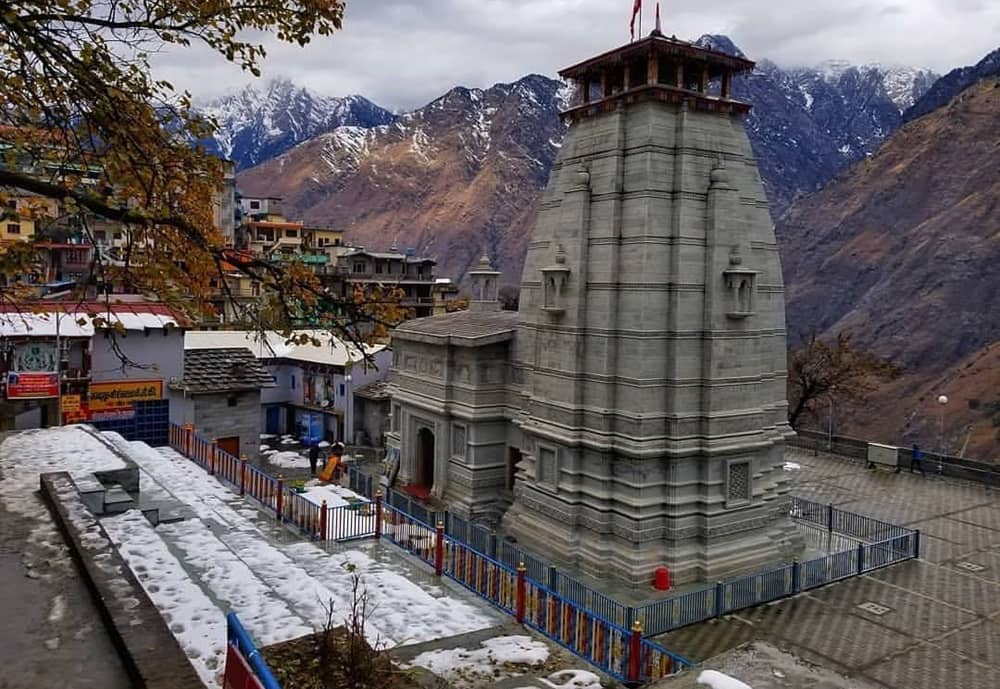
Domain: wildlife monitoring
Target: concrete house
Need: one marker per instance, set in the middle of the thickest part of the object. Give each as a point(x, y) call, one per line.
point(101, 363)
point(314, 382)
point(220, 394)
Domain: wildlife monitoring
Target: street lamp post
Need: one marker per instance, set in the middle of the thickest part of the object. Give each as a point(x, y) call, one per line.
point(942, 402)
point(829, 430)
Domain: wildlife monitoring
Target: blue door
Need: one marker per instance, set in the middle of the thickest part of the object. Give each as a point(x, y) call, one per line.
point(273, 421)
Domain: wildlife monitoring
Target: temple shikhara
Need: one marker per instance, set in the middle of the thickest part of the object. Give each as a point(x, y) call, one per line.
point(632, 413)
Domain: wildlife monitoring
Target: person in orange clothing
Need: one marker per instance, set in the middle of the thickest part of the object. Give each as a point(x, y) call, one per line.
point(331, 472)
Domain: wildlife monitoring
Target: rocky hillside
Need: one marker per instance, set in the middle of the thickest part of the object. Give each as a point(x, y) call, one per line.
point(257, 124)
point(463, 174)
point(903, 251)
point(452, 179)
point(953, 83)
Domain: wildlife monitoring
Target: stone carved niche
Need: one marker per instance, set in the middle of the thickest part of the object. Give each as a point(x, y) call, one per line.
point(741, 288)
point(554, 279)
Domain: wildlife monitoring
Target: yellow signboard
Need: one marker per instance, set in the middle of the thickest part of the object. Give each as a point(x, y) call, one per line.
point(115, 394)
point(70, 403)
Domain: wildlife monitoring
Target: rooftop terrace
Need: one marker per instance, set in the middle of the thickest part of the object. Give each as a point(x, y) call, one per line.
point(922, 624)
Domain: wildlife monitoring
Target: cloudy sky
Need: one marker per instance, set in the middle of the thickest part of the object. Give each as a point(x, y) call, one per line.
point(403, 53)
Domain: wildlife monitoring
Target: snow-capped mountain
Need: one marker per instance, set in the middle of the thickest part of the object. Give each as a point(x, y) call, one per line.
point(810, 123)
point(451, 179)
point(463, 173)
point(257, 124)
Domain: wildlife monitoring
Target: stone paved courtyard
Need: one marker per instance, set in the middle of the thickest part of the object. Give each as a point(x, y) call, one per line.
point(932, 623)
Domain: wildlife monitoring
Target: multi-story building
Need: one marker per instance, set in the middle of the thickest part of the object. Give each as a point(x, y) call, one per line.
point(412, 274)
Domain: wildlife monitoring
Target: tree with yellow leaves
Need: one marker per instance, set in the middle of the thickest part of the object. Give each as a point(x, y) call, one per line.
point(84, 122)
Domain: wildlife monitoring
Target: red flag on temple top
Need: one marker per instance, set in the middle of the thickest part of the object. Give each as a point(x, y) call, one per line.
point(636, 9)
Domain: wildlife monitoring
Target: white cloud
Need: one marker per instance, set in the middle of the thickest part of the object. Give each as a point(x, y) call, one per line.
point(403, 53)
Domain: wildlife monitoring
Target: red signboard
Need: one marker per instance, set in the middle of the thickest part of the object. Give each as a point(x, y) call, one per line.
point(238, 674)
point(24, 386)
point(85, 413)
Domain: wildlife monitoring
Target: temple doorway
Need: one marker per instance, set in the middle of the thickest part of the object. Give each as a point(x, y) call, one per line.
point(425, 459)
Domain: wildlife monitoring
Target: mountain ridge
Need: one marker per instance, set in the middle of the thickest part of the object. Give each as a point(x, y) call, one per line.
point(805, 128)
point(901, 250)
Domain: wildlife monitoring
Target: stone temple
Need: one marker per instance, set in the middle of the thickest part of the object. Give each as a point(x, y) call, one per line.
point(632, 413)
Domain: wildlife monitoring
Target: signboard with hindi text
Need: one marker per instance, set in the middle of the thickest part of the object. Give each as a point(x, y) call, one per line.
point(119, 394)
point(27, 386)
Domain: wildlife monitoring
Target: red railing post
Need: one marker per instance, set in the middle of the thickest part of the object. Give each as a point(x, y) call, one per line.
point(635, 652)
point(211, 457)
point(439, 549)
point(322, 521)
point(188, 436)
point(519, 601)
point(243, 475)
point(280, 499)
point(378, 514)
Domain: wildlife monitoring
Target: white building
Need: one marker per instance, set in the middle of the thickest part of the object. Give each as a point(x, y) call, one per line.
point(314, 383)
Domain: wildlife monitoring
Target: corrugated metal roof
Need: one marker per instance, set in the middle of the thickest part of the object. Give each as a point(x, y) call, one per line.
point(77, 319)
point(330, 351)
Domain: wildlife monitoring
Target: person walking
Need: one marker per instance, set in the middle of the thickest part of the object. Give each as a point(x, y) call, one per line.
point(917, 460)
point(313, 458)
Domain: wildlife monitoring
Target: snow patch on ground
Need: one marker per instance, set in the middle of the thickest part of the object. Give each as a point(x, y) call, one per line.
point(228, 558)
point(197, 624)
point(288, 459)
point(58, 610)
point(465, 668)
point(718, 680)
point(569, 679)
point(25, 455)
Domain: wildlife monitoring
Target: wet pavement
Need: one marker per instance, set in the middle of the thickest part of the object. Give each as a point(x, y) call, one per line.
point(922, 624)
point(51, 634)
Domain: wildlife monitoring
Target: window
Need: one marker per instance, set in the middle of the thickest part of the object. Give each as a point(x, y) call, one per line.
point(231, 401)
point(379, 268)
point(322, 241)
point(336, 242)
point(291, 233)
point(342, 390)
point(100, 235)
point(458, 441)
point(360, 267)
point(547, 469)
point(292, 378)
point(738, 483)
point(77, 256)
point(13, 228)
point(255, 205)
point(395, 418)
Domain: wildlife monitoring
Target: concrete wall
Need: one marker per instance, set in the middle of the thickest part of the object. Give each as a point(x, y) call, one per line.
point(372, 419)
point(181, 408)
point(215, 418)
point(162, 348)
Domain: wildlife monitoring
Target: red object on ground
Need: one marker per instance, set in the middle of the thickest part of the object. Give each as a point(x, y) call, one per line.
point(661, 581)
point(422, 492)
